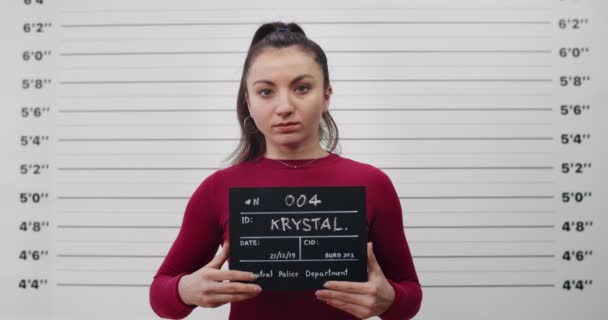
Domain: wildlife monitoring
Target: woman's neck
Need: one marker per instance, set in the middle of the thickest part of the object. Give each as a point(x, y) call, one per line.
point(314, 153)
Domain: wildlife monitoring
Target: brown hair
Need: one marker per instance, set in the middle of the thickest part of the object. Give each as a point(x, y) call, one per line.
point(253, 145)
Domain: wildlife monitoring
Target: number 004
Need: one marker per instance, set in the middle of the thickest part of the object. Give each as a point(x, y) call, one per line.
point(301, 200)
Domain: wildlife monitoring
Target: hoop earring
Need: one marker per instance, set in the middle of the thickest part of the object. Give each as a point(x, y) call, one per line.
point(245, 126)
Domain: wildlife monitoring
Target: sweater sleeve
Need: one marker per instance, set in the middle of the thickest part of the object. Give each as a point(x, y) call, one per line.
point(392, 251)
point(196, 244)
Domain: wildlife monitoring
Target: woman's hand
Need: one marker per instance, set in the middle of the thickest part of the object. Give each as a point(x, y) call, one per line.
point(206, 287)
point(361, 299)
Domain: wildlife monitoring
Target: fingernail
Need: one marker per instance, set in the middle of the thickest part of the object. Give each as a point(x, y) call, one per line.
point(326, 285)
point(258, 288)
point(254, 276)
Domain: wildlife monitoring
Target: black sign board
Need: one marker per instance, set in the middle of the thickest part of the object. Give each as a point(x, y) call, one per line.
point(299, 237)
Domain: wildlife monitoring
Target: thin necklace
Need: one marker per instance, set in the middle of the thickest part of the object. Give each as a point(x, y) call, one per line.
point(293, 166)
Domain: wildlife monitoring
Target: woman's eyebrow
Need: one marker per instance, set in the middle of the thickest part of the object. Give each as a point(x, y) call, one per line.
point(296, 79)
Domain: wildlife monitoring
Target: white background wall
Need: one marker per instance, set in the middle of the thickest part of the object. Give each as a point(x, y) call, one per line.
point(475, 96)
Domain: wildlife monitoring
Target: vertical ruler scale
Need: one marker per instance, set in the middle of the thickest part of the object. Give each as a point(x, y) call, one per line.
point(485, 114)
point(29, 73)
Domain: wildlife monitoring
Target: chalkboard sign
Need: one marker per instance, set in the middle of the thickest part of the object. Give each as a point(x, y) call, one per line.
point(299, 237)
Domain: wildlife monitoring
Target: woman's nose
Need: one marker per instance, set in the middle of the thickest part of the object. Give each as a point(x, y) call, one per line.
point(285, 106)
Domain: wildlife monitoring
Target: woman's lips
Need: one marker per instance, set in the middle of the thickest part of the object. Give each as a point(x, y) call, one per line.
point(288, 126)
point(285, 124)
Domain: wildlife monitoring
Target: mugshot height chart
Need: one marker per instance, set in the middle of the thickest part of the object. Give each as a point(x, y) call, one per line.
point(486, 115)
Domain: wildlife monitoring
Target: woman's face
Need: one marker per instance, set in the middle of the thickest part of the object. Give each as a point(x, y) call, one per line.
point(285, 85)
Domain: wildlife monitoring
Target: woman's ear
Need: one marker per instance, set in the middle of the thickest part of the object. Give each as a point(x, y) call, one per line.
point(247, 100)
point(327, 96)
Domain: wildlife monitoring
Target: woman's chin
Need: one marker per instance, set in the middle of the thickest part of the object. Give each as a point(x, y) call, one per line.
point(288, 140)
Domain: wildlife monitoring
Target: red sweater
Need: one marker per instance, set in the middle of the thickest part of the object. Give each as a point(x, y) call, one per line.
point(205, 227)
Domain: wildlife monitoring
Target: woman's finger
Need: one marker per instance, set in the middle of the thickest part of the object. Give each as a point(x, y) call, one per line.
point(220, 299)
point(350, 286)
point(356, 310)
point(346, 297)
point(235, 287)
point(230, 275)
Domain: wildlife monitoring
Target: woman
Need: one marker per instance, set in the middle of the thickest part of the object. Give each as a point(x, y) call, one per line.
point(282, 109)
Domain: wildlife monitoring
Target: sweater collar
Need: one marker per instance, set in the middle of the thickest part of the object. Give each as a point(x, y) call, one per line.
point(305, 163)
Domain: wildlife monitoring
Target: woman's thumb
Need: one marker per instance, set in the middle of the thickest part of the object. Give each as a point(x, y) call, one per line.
point(372, 263)
point(219, 259)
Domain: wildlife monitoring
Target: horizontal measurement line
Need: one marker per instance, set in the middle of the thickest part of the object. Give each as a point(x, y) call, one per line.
point(148, 153)
point(335, 66)
point(344, 154)
point(447, 153)
point(333, 109)
point(128, 182)
point(114, 227)
point(418, 198)
point(488, 256)
point(116, 211)
point(483, 227)
point(480, 197)
point(107, 256)
point(405, 212)
point(341, 9)
point(483, 212)
point(143, 110)
point(230, 125)
point(333, 80)
point(421, 65)
point(63, 284)
point(137, 168)
point(487, 271)
point(133, 53)
point(117, 198)
point(483, 241)
point(143, 139)
point(370, 94)
point(463, 182)
point(424, 286)
point(382, 168)
point(370, 124)
point(188, 24)
point(471, 168)
point(148, 81)
point(407, 227)
point(490, 286)
point(346, 138)
point(343, 36)
point(111, 241)
point(103, 270)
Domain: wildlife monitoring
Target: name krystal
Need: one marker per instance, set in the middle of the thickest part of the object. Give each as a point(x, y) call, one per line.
point(305, 224)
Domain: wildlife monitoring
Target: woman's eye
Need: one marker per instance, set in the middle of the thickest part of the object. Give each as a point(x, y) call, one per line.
point(305, 88)
point(267, 92)
point(261, 92)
